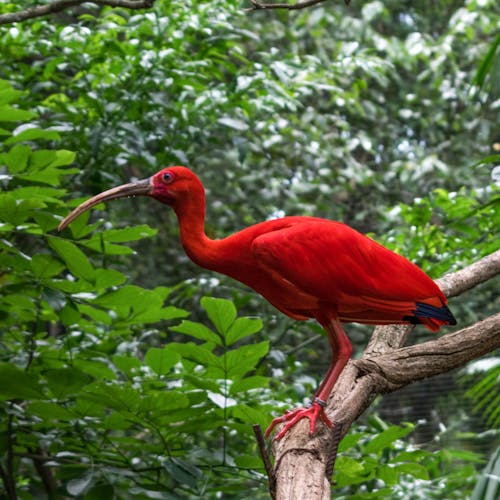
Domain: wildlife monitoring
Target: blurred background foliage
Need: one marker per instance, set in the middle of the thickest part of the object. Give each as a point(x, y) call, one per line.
point(381, 114)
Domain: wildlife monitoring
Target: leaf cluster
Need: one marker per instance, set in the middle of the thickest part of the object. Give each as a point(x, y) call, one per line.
point(375, 462)
point(80, 390)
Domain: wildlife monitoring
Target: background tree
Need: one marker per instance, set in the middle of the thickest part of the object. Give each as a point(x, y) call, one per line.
point(367, 113)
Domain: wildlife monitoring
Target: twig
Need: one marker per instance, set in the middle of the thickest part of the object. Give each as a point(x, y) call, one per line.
point(8, 475)
point(60, 5)
point(261, 443)
point(10, 488)
point(257, 5)
point(44, 472)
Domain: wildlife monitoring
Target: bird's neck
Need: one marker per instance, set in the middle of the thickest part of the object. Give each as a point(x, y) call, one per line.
point(198, 246)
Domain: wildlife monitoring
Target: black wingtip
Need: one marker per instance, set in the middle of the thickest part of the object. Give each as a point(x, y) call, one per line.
point(440, 313)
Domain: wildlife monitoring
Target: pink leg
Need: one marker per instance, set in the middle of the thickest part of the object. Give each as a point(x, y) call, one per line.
point(341, 352)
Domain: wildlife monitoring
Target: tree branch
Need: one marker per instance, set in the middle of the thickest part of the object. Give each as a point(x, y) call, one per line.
point(302, 460)
point(39, 458)
point(409, 364)
point(459, 282)
point(257, 5)
point(60, 5)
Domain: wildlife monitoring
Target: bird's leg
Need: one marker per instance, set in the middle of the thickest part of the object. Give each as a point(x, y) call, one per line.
point(341, 352)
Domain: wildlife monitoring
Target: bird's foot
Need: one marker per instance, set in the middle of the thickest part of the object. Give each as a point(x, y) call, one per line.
point(317, 409)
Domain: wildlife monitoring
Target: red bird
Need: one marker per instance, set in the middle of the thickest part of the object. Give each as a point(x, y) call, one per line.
point(304, 266)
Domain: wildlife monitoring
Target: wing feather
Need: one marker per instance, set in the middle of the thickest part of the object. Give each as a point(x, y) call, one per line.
point(338, 265)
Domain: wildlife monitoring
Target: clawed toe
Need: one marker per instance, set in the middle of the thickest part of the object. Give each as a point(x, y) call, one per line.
point(292, 417)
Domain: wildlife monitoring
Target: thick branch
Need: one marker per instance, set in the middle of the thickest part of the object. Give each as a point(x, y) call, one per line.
point(459, 282)
point(409, 364)
point(60, 5)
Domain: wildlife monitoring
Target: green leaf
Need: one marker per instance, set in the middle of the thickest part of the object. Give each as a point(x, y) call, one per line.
point(62, 158)
point(387, 437)
point(45, 266)
point(17, 158)
point(100, 491)
point(202, 382)
point(8, 208)
point(160, 314)
point(18, 384)
point(47, 175)
point(120, 398)
point(198, 331)
point(182, 472)
point(221, 312)
point(127, 364)
point(32, 134)
point(41, 159)
point(161, 360)
point(487, 63)
point(350, 440)
point(388, 474)
point(11, 114)
point(244, 359)
point(98, 244)
point(198, 354)
point(131, 296)
point(44, 193)
point(158, 403)
point(66, 381)
point(67, 286)
point(69, 315)
point(8, 94)
point(146, 305)
point(50, 411)
point(75, 259)
point(348, 466)
point(248, 383)
point(105, 278)
point(249, 462)
point(247, 414)
point(129, 234)
point(242, 327)
point(97, 369)
point(414, 469)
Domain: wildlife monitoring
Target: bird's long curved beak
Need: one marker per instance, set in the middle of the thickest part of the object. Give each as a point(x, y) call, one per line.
point(137, 188)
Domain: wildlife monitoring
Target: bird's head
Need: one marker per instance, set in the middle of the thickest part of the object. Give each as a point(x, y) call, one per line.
point(172, 186)
point(175, 185)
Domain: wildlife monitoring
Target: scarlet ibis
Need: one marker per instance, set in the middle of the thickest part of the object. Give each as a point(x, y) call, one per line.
point(304, 266)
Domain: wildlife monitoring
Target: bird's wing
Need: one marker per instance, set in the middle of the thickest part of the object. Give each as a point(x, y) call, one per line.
point(335, 263)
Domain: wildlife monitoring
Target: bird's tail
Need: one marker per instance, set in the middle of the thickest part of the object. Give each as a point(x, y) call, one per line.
point(433, 317)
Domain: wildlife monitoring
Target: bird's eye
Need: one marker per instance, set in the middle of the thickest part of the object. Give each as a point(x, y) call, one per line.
point(168, 177)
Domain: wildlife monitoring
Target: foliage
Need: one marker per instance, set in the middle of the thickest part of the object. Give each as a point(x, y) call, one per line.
point(377, 114)
point(487, 486)
point(88, 383)
point(375, 462)
point(484, 391)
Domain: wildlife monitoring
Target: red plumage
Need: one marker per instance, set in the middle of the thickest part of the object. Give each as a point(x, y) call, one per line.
point(306, 267)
